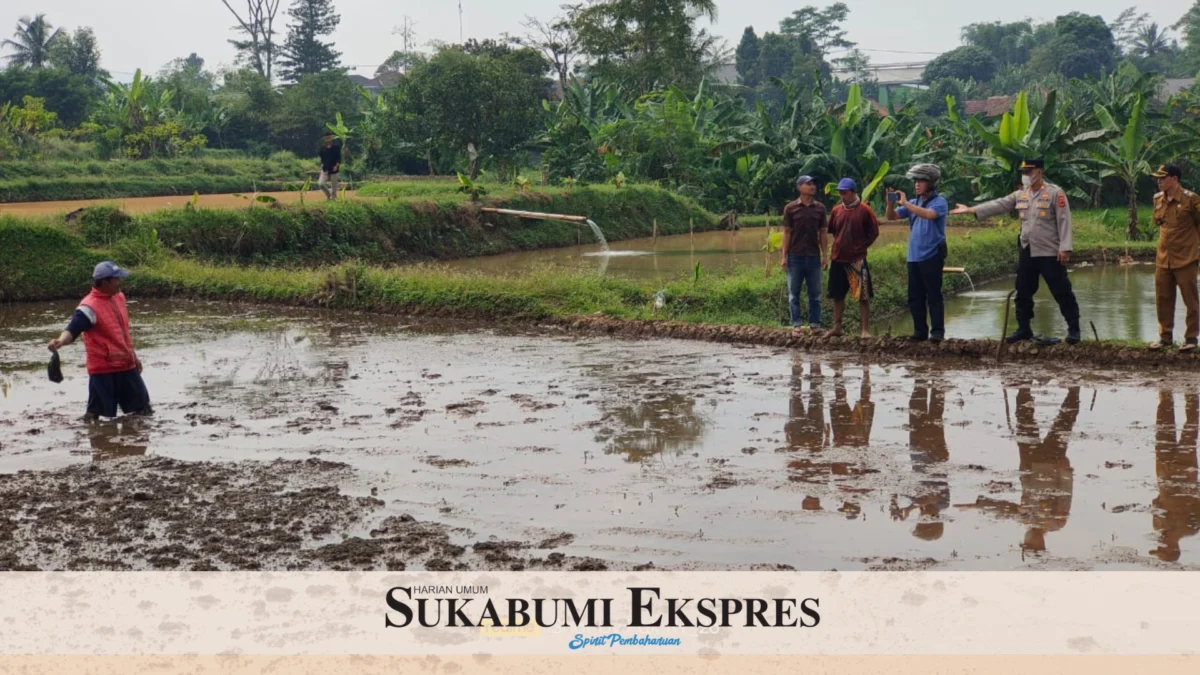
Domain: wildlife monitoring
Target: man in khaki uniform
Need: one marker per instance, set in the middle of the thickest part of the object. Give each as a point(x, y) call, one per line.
point(1045, 246)
point(1177, 214)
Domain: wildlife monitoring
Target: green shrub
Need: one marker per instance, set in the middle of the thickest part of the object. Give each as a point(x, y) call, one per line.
point(104, 225)
point(43, 262)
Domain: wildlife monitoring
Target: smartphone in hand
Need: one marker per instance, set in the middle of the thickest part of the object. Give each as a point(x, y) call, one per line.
point(893, 196)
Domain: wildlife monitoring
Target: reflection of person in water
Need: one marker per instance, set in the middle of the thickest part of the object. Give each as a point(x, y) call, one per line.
point(851, 427)
point(929, 453)
point(112, 440)
point(1047, 479)
point(805, 428)
point(1177, 507)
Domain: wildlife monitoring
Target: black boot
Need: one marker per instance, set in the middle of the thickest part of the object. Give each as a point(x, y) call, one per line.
point(1073, 337)
point(1023, 334)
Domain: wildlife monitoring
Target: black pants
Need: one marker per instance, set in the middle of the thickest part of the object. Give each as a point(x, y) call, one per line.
point(1029, 270)
point(925, 295)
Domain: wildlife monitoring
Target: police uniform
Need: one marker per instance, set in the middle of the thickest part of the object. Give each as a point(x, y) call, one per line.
point(1045, 218)
point(1177, 215)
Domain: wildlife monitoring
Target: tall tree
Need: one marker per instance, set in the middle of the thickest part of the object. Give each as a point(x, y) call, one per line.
point(1008, 43)
point(1150, 42)
point(1126, 28)
point(648, 43)
point(556, 40)
point(78, 54)
point(304, 53)
point(963, 63)
point(258, 49)
point(1082, 45)
point(746, 57)
point(822, 26)
point(32, 43)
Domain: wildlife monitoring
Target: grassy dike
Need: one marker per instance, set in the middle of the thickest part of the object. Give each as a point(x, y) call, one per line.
point(204, 254)
point(381, 231)
point(61, 180)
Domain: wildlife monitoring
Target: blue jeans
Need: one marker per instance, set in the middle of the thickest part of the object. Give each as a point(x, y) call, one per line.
point(804, 270)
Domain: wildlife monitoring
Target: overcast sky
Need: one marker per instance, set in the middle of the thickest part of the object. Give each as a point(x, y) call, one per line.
point(148, 33)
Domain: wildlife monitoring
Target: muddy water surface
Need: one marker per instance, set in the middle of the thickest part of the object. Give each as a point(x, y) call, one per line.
point(1118, 299)
point(662, 258)
point(279, 434)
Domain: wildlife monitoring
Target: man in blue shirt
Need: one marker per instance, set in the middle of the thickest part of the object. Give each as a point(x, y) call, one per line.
point(926, 250)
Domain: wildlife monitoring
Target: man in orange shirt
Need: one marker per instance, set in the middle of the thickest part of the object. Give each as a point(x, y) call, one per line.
point(854, 228)
point(115, 372)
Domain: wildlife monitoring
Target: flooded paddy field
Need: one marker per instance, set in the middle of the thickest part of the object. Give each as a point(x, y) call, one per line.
point(661, 258)
point(285, 439)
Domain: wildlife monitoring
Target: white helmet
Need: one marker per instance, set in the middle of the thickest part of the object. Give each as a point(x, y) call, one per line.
point(926, 172)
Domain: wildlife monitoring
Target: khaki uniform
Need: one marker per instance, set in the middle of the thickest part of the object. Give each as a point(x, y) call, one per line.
point(1045, 218)
point(1045, 232)
point(1177, 215)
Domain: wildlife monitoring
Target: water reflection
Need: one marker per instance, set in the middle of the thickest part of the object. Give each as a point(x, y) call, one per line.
point(851, 426)
point(117, 438)
point(652, 427)
point(1177, 507)
point(806, 430)
point(1047, 479)
point(928, 453)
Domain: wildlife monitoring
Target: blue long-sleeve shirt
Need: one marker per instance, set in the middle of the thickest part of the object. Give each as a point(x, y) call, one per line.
point(926, 235)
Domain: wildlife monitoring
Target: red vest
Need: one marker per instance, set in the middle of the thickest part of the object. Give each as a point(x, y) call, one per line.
point(108, 343)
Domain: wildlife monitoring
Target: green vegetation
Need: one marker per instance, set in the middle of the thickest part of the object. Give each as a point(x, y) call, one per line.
point(64, 180)
point(43, 262)
point(390, 231)
point(205, 253)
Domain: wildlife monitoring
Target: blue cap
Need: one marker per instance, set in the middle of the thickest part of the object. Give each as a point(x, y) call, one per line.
point(847, 184)
point(109, 270)
point(804, 180)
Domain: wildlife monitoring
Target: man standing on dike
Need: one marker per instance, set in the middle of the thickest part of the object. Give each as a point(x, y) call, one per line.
point(331, 163)
point(926, 250)
point(805, 224)
point(854, 228)
point(1177, 215)
point(113, 366)
point(1044, 244)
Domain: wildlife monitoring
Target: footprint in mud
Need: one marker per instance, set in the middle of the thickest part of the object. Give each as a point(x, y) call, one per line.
point(443, 463)
point(530, 404)
point(467, 408)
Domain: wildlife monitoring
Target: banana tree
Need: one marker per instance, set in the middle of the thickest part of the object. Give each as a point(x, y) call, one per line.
point(1048, 135)
point(1129, 156)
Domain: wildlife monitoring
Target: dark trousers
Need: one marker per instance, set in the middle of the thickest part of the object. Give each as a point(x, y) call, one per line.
point(925, 295)
point(1029, 271)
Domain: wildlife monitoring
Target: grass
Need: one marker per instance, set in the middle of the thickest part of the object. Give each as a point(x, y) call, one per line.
point(397, 230)
point(69, 180)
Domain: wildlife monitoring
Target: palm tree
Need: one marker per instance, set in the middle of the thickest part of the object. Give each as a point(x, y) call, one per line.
point(1151, 41)
point(32, 43)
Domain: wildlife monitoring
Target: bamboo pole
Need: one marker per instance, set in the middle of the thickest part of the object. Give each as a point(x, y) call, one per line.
point(692, 227)
point(532, 215)
point(656, 231)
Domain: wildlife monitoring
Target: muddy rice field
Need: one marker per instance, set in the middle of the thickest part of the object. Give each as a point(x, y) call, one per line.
point(287, 439)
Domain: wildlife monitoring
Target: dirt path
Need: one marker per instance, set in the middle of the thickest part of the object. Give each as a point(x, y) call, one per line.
point(146, 204)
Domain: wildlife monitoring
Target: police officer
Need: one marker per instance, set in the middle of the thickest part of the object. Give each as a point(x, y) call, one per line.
point(1177, 215)
point(1044, 243)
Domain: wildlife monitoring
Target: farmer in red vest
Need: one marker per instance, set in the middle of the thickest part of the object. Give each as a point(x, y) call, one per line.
point(113, 366)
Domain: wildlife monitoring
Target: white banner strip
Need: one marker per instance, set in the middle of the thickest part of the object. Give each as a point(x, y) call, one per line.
point(582, 613)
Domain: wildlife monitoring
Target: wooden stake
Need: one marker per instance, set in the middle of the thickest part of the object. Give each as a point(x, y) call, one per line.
point(656, 230)
point(692, 227)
